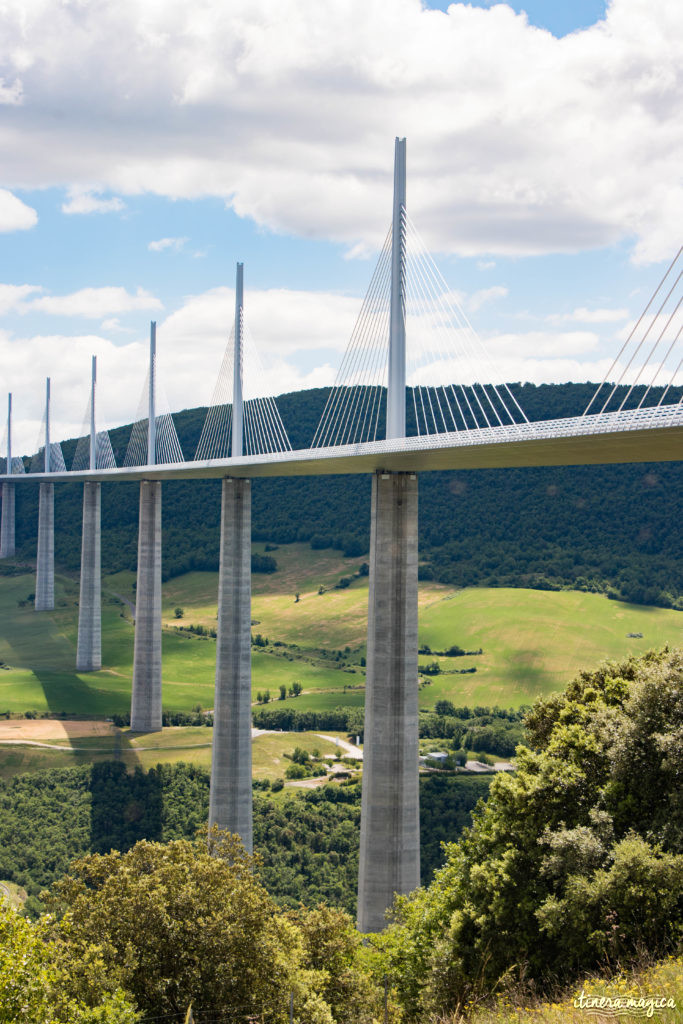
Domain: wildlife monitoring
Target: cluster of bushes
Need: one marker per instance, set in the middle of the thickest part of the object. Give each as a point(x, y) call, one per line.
point(574, 862)
point(304, 765)
point(350, 720)
point(455, 651)
point(263, 563)
point(198, 630)
point(197, 717)
point(434, 669)
point(488, 730)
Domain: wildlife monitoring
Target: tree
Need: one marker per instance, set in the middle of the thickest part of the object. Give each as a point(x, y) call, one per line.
point(355, 722)
point(35, 979)
point(575, 860)
point(178, 612)
point(297, 595)
point(333, 945)
point(283, 692)
point(188, 922)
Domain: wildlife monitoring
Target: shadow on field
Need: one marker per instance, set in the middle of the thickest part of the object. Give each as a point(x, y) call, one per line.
point(66, 693)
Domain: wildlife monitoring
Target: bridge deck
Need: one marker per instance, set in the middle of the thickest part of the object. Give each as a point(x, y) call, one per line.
point(644, 436)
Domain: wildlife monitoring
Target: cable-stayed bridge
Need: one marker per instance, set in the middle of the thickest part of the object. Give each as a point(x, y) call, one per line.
point(413, 357)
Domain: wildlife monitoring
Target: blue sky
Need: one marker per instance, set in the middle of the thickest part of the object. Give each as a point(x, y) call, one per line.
point(147, 148)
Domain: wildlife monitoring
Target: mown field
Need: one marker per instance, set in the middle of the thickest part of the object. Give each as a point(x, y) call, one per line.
point(532, 641)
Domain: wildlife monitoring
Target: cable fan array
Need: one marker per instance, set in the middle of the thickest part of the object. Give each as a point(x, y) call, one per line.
point(57, 464)
point(17, 461)
point(167, 446)
point(56, 461)
point(263, 431)
point(104, 453)
point(651, 355)
point(441, 345)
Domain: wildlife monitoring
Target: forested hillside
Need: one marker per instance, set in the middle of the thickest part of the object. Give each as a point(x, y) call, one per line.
point(308, 841)
point(610, 528)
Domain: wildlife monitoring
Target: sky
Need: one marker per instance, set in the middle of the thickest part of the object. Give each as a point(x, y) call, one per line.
point(146, 146)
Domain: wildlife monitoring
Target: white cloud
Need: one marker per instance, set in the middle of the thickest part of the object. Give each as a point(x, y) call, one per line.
point(518, 142)
point(167, 243)
point(15, 215)
point(484, 295)
point(88, 201)
point(113, 324)
point(13, 296)
point(94, 302)
point(539, 344)
point(591, 316)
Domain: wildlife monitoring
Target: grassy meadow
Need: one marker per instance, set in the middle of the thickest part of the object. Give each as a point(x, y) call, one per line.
point(532, 641)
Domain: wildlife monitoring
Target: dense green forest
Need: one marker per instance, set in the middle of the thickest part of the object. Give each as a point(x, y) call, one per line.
point(308, 841)
point(608, 528)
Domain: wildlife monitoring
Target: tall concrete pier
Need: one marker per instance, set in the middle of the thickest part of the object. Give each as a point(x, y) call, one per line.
point(7, 545)
point(390, 819)
point(145, 711)
point(45, 561)
point(45, 557)
point(89, 653)
point(231, 800)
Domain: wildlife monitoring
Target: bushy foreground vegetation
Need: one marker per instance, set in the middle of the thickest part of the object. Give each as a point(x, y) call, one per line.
point(575, 861)
point(163, 927)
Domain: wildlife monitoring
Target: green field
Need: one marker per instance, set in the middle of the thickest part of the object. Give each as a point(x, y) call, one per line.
point(191, 744)
point(533, 642)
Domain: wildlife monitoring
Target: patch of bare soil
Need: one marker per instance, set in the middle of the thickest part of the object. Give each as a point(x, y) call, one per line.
point(51, 729)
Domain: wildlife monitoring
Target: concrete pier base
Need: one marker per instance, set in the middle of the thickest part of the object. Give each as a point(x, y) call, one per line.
point(89, 653)
point(45, 561)
point(230, 802)
point(7, 523)
point(145, 711)
point(390, 819)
